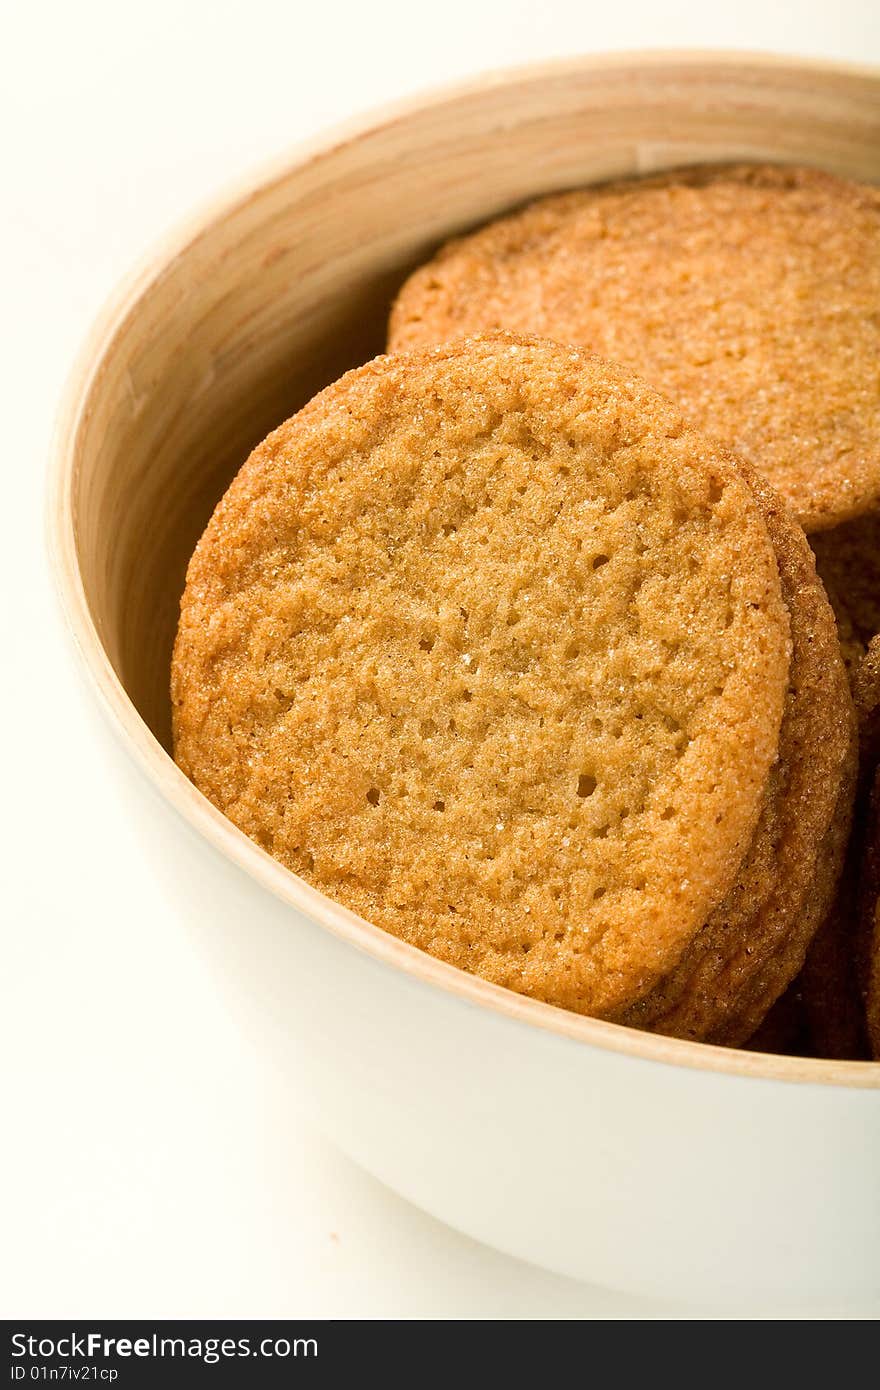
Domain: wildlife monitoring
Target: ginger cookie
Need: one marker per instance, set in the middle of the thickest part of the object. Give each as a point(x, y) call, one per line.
point(490, 646)
point(866, 694)
point(852, 647)
point(747, 293)
point(754, 944)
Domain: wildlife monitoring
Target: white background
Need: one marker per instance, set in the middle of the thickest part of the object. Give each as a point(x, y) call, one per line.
point(148, 1167)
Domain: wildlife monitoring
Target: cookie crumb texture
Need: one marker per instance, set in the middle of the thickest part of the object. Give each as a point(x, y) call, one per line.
point(749, 294)
point(490, 647)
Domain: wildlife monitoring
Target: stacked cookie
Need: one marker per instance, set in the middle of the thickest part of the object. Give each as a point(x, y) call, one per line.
point(527, 662)
point(746, 293)
point(750, 295)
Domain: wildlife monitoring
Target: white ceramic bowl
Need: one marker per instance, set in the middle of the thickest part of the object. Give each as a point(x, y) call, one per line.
point(639, 1162)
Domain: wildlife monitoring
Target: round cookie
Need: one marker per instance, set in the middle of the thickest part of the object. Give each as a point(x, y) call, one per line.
point(747, 293)
point(490, 646)
point(848, 561)
point(754, 944)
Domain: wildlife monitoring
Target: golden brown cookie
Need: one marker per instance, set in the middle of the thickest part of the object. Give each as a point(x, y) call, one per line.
point(866, 694)
point(866, 685)
point(491, 647)
point(755, 942)
point(747, 293)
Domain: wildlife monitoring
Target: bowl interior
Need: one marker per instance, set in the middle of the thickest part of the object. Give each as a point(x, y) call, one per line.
point(270, 298)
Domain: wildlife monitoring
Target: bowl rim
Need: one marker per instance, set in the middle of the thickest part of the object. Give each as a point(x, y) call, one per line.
point(138, 740)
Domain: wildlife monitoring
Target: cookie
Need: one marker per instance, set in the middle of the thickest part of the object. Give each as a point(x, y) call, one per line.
point(490, 646)
point(852, 647)
point(754, 944)
point(747, 293)
point(866, 693)
point(848, 560)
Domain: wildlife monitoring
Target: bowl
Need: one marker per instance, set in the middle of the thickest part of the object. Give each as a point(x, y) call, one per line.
point(639, 1162)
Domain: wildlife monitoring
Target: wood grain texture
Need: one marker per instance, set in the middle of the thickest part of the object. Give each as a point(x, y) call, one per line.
point(270, 295)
